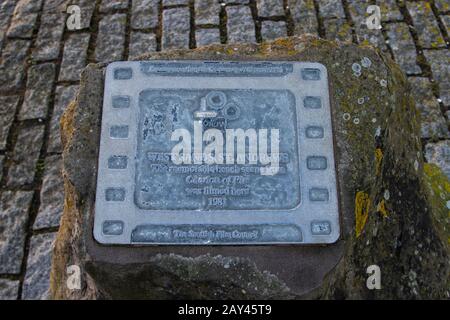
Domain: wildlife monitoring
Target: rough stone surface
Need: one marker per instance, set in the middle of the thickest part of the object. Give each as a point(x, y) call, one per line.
point(111, 38)
point(12, 64)
point(446, 22)
point(270, 8)
point(442, 5)
point(439, 153)
point(425, 24)
point(205, 37)
point(24, 18)
point(176, 28)
point(74, 57)
point(207, 12)
point(303, 14)
point(25, 156)
point(49, 37)
point(2, 160)
point(240, 25)
point(39, 87)
point(9, 289)
point(36, 285)
point(271, 30)
point(403, 48)
point(144, 14)
point(63, 97)
point(6, 10)
point(14, 208)
point(141, 43)
point(331, 9)
point(433, 122)
point(175, 2)
point(110, 5)
point(440, 68)
point(8, 107)
point(389, 209)
point(52, 195)
point(337, 29)
point(389, 10)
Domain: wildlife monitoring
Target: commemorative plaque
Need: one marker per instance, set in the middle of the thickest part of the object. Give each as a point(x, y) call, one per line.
point(216, 153)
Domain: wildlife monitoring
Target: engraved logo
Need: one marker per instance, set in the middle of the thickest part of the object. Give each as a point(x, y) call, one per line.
point(220, 147)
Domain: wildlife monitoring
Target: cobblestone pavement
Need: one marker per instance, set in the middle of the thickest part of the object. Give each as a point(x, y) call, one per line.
point(41, 60)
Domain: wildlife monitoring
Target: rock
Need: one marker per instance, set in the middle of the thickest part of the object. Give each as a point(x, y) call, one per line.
point(52, 195)
point(390, 216)
point(36, 282)
point(9, 289)
point(14, 208)
point(439, 154)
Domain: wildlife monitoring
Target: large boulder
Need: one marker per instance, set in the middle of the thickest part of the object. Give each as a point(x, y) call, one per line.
point(394, 209)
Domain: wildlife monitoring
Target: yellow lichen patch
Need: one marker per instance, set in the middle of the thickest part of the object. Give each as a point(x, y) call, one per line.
point(378, 160)
point(362, 207)
point(381, 208)
point(439, 196)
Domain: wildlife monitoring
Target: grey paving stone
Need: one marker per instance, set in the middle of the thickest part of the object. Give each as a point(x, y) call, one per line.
point(52, 195)
point(141, 43)
point(63, 96)
point(207, 12)
point(14, 208)
point(54, 6)
point(144, 14)
point(358, 11)
point(8, 107)
point(331, 9)
point(9, 289)
point(25, 156)
point(433, 123)
point(303, 14)
point(439, 154)
point(12, 64)
point(110, 5)
point(87, 10)
point(389, 10)
point(226, 2)
point(175, 2)
point(111, 38)
point(204, 37)
point(2, 160)
point(6, 10)
point(37, 278)
point(270, 8)
point(439, 61)
point(240, 24)
point(338, 29)
point(273, 29)
point(74, 56)
point(176, 28)
point(446, 22)
point(37, 96)
point(49, 37)
point(425, 24)
point(403, 47)
point(24, 18)
point(442, 5)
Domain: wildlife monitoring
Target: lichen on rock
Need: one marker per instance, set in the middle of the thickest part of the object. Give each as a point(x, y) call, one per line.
point(402, 227)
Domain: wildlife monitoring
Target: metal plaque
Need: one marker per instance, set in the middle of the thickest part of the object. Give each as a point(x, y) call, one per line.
point(216, 153)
